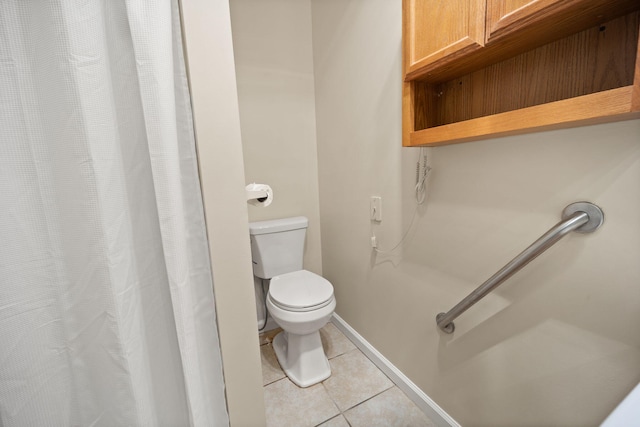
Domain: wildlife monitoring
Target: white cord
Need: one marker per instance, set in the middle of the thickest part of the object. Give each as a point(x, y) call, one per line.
point(380, 251)
point(422, 173)
point(421, 192)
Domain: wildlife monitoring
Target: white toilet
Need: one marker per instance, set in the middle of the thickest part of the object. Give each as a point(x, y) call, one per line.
point(299, 301)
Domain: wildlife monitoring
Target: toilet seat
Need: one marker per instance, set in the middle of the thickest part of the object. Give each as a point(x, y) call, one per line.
point(300, 291)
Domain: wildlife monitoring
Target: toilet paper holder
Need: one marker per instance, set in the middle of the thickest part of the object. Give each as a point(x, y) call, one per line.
point(259, 194)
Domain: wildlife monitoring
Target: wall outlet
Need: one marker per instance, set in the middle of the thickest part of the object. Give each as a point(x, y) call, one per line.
point(375, 208)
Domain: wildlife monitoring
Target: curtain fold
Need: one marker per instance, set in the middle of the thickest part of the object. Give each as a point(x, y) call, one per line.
point(106, 303)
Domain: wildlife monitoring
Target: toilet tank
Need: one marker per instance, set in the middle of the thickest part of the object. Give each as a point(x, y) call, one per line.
point(277, 246)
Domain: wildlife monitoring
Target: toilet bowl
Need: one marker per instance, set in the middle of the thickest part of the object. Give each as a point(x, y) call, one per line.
point(301, 303)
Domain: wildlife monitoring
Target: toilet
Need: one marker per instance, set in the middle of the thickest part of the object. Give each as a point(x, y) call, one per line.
point(299, 301)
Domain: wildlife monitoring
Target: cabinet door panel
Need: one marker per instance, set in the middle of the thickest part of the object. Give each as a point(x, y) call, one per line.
point(505, 17)
point(438, 31)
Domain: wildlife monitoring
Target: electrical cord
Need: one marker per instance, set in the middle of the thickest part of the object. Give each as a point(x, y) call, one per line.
point(422, 173)
point(266, 314)
point(421, 190)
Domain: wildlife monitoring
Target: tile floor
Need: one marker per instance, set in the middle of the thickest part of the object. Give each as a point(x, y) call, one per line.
point(356, 394)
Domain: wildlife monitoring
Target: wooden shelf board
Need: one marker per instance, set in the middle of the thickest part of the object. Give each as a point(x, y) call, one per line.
point(600, 107)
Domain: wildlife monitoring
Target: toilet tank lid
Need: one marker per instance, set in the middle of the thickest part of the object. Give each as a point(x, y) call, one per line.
point(278, 225)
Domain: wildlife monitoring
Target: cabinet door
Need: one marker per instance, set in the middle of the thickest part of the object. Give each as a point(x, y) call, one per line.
point(439, 31)
point(506, 17)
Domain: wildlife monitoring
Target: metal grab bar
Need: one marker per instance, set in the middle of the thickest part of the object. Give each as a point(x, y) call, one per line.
point(582, 217)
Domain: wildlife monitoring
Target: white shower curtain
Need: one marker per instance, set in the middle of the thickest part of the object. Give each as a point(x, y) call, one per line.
point(106, 303)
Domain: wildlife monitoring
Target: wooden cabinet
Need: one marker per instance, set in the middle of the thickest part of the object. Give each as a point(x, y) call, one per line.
point(440, 31)
point(516, 66)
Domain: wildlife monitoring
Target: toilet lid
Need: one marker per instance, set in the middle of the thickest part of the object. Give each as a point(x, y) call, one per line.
point(300, 290)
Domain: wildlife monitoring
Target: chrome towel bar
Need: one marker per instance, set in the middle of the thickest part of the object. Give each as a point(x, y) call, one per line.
point(582, 217)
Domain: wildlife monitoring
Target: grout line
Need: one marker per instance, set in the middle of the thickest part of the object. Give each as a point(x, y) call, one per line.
point(274, 381)
point(369, 398)
point(334, 417)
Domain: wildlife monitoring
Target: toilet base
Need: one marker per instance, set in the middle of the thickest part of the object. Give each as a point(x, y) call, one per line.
point(302, 358)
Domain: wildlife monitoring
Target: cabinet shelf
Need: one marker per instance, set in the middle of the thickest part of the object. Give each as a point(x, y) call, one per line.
point(601, 107)
point(589, 77)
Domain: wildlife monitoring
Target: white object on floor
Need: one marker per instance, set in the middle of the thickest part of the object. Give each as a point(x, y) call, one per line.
point(299, 301)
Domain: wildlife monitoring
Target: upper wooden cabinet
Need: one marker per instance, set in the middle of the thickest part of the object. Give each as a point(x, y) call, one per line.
point(475, 69)
point(439, 31)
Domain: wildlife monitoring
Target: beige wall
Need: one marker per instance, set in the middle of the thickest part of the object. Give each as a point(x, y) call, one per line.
point(273, 55)
point(207, 35)
point(558, 343)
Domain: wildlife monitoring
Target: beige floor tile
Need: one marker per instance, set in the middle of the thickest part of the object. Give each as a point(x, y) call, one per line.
point(338, 421)
point(354, 379)
point(288, 405)
point(334, 341)
point(390, 408)
point(271, 370)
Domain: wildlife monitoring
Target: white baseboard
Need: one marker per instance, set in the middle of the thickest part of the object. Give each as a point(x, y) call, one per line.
point(424, 402)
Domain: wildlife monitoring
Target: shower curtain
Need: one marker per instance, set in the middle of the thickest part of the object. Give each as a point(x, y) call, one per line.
point(106, 304)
